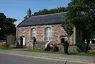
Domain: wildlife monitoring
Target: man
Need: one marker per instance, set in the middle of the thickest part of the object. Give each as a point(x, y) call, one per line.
point(65, 42)
point(86, 46)
point(34, 41)
point(66, 46)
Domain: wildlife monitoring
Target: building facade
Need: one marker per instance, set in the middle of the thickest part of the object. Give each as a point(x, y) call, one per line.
point(44, 27)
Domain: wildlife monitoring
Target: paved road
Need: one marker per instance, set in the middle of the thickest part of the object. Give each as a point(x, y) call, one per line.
point(14, 59)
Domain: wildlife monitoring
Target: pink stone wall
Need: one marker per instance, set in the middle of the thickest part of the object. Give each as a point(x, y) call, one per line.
point(24, 31)
point(57, 30)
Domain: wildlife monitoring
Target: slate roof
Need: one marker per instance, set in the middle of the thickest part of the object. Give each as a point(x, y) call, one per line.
point(43, 19)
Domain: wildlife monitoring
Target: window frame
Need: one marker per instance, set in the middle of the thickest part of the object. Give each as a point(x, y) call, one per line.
point(49, 30)
point(33, 32)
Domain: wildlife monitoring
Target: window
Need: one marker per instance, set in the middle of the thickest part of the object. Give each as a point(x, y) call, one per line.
point(48, 34)
point(33, 32)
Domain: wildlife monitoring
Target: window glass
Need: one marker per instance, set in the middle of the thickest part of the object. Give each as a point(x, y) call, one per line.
point(33, 32)
point(48, 34)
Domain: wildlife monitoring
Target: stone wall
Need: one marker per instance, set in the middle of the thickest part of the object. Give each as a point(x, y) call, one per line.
point(92, 46)
point(23, 31)
point(57, 31)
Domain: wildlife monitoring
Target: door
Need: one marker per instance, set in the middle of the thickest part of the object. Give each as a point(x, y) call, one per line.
point(22, 41)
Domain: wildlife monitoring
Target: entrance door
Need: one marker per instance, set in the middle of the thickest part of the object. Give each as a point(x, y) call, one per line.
point(22, 41)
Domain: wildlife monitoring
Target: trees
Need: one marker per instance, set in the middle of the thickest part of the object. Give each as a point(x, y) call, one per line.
point(81, 14)
point(45, 11)
point(6, 26)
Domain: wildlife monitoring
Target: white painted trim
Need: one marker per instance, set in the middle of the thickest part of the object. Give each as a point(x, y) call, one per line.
point(46, 26)
point(24, 41)
point(31, 31)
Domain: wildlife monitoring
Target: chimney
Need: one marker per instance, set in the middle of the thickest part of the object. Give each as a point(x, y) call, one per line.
point(28, 13)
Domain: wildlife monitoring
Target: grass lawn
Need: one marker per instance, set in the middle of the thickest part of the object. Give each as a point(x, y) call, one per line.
point(6, 48)
point(61, 52)
point(40, 50)
point(83, 53)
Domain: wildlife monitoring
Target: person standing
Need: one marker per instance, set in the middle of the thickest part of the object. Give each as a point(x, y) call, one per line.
point(86, 46)
point(64, 41)
point(34, 41)
point(66, 45)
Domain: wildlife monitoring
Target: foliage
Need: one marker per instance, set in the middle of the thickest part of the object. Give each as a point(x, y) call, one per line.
point(7, 26)
point(46, 11)
point(68, 27)
point(81, 14)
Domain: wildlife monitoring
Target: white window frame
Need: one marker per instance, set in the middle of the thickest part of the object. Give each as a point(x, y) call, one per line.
point(49, 34)
point(33, 32)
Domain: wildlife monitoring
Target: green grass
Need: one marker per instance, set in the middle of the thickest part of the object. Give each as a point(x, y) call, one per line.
point(6, 48)
point(83, 53)
point(40, 50)
point(34, 50)
point(61, 52)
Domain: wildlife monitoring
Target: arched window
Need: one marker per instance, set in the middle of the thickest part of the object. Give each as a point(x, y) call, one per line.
point(33, 32)
point(48, 34)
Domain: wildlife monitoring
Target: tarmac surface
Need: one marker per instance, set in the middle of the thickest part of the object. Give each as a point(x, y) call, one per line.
point(49, 56)
point(14, 59)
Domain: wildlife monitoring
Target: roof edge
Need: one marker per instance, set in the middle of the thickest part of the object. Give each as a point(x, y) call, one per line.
point(39, 24)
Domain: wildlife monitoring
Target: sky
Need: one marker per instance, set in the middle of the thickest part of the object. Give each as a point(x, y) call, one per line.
point(18, 8)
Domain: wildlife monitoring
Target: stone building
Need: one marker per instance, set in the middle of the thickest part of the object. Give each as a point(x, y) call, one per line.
point(44, 27)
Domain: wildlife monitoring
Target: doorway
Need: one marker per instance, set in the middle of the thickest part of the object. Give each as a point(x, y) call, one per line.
point(22, 41)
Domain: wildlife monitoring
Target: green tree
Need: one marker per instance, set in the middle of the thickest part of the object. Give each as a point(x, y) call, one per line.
point(68, 26)
point(55, 10)
point(7, 26)
point(41, 12)
point(81, 14)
